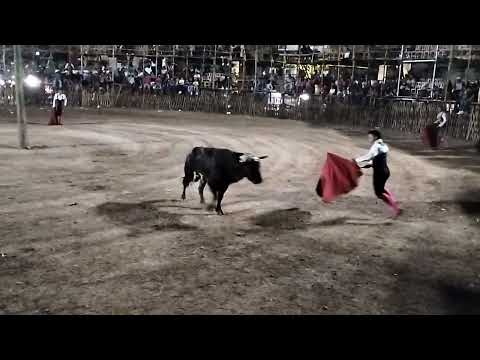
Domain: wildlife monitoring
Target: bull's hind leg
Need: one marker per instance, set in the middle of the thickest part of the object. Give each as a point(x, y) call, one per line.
point(220, 194)
point(203, 182)
point(212, 205)
point(214, 192)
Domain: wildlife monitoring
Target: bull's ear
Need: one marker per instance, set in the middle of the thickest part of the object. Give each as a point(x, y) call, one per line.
point(263, 157)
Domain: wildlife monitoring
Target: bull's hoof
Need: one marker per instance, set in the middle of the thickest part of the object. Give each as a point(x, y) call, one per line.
point(220, 212)
point(183, 197)
point(202, 201)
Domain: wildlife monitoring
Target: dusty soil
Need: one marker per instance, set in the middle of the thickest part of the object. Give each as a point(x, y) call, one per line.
point(91, 222)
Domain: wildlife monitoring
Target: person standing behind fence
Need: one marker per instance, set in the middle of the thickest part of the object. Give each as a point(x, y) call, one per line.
point(59, 103)
point(433, 134)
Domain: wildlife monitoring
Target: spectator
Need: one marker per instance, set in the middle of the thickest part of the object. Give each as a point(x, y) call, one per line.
point(269, 86)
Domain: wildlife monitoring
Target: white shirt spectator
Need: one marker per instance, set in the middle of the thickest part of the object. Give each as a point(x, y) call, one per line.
point(60, 97)
point(441, 119)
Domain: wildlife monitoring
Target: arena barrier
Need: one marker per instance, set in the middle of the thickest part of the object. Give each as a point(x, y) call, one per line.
point(400, 114)
point(405, 115)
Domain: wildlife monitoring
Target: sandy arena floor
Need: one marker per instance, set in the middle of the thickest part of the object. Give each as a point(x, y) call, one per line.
point(91, 222)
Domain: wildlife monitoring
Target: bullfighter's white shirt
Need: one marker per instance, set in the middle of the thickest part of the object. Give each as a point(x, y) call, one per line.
point(377, 147)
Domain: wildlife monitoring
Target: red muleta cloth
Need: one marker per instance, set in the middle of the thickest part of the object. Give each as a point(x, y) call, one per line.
point(430, 136)
point(339, 176)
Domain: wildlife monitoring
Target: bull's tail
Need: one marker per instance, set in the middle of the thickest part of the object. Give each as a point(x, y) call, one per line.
point(189, 173)
point(196, 177)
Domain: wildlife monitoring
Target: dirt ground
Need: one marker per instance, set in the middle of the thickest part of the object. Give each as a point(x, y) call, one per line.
point(91, 222)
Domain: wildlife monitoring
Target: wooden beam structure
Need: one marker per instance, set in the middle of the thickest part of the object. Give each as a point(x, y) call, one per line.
point(20, 98)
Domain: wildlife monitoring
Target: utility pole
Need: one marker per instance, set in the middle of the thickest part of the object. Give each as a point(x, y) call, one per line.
point(20, 99)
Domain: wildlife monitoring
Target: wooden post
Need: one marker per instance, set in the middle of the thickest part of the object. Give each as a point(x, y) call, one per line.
point(368, 62)
point(284, 67)
point(323, 65)
point(434, 71)
point(4, 61)
point(214, 73)
point(230, 68)
point(400, 65)
point(114, 67)
point(156, 60)
point(19, 97)
point(450, 60)
point(384, 70)
point(298, 62)
point(203, 61)
point(467, 70)
point(173, 61)
point(81, 61)
point(186, 65)
point(338, 63)
point(244, 65)
point(353, 64)
point(256, 62)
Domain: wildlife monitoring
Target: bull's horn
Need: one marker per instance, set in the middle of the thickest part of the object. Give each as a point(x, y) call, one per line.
point(263, 157)
point(243, 158)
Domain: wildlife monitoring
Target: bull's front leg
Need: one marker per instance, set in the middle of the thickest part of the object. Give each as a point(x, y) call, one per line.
point(203, 182)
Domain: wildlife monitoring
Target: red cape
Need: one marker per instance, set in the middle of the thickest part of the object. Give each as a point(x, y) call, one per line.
point(430, 136)
point(339, 176)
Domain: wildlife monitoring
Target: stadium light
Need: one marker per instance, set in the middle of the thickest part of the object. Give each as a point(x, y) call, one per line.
point(32, 81)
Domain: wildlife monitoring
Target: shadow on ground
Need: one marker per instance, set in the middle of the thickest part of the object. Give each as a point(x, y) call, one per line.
point(143, 217)
point(423, 286)
point(294, 218)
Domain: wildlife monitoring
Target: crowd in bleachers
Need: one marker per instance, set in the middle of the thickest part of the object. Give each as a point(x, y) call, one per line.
point(145, 77)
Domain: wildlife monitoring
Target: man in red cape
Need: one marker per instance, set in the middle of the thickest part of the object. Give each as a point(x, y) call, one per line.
point(339, 176)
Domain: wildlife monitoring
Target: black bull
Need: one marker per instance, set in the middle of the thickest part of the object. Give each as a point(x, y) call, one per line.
point(219, 168)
